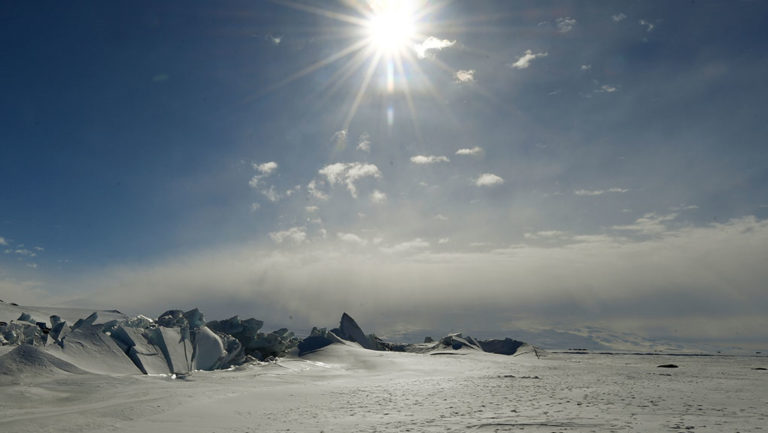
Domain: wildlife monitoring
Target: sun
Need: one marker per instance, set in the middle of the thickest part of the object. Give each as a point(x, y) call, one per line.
point(392, 26)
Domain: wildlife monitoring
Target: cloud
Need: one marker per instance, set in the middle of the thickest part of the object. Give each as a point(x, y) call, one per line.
point(674, 283)
point(378, 197)
point(339, 139)
point(488, 179)
point(271, 194)
point(349, 173)
point(441, 217)
point(465, 76)
point(648, 25)
point(314, 191)
point(352, 238)
point(605, 88)
point(406, 247)
point(430, 44)
point(275, 39)
point(311, 209)
point(565, 25)
point(24, 252)
point(3, 241)
point(618, 17)
point(255, 206)
point(428, 159)
point(649, 224)
point(525, 60)
point(265, 169)
point(596, 192)
point(296, 235)
point(477, 150)
point(364, 142)
point(586, 67)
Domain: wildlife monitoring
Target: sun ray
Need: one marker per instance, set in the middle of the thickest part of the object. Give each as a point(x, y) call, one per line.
point(323, 12)
point(361, 91)
point(409, 99)
point(315, 66)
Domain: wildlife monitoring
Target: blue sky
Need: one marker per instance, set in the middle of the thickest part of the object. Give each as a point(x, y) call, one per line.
point(530, 164)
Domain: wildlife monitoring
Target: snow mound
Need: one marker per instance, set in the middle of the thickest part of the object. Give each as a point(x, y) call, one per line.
point(27, 360)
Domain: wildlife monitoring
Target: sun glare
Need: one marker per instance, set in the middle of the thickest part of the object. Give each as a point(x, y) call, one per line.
point(391, 28)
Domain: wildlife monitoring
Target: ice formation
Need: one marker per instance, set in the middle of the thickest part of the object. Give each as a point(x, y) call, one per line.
point(180, 342)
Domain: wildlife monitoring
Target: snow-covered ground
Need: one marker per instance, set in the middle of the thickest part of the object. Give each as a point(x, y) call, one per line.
point(345, 388)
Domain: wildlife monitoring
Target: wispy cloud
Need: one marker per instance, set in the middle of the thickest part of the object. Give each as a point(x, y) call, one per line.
point(606, 88)
point(565, 24)
point(339, 139)
point(255, 206)
point(296, 235)
point(430, 44)
point(488, 179)
point(3, 241)
point(649, 26)
point(477, 150)
point(586, 67)
point(378, 197)
point(465, 76)
point(596, 192)
point(349, 173)
point(525, 60)
point(618, 17)
point(352, 238)
point(407, 247)
point(364, 142)
point(428, 159)
point(275, 39)
point(649, 224)
point(265, 170)
point(314, 190)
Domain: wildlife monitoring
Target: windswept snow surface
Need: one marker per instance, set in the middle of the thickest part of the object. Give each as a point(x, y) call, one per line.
point(345, 388)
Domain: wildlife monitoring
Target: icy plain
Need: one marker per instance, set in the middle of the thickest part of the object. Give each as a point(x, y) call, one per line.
point(345, 388)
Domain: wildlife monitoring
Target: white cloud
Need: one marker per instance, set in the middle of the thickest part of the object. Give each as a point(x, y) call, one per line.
point(364, 142)
point(675, 282)
point(648, 25)
point(596, 192)
point(24, 252)
point(465, 76)
point(406, 247)
point(3, 241)
point(649, 224)
point(39, 249)
point(545, 234)
point(441, 217)
point(618, 17)
point(428, 159)
point(255, 206)
point(339, 139)
point(378, 197)
point(431, 43)
point(352, 238)
point(348, 173)
point(565, 25)
point(525, 60)
point(275, 39)
point(32, 265)
point(488, 179)
point(296, 235)
point(605, 88)
point(311, 209)
point(443, 241)
point(477, 150)
point(313, 189)
point(586, 67)
point(266, 168)
point(271, 194)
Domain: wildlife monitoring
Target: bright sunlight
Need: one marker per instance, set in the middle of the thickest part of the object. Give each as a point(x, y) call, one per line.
point(392, 26)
